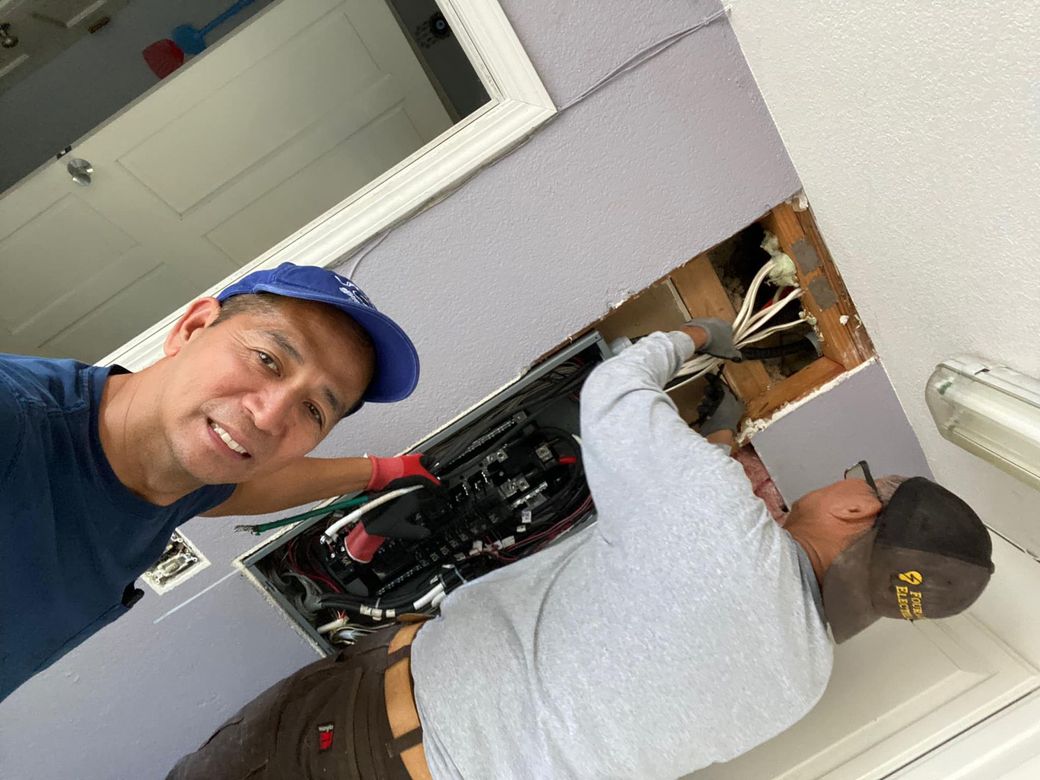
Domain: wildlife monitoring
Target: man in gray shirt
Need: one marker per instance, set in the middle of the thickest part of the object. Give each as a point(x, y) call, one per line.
point(683, 628)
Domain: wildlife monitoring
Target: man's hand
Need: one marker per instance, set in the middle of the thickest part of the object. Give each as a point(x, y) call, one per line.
point(387, 470)
point(727, 415)
point(720, 338)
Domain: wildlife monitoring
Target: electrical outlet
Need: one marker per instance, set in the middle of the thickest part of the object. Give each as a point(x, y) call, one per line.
point(180, 560)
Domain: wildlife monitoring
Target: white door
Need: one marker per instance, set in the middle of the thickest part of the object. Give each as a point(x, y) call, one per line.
point(301, 107)
point(899, 691)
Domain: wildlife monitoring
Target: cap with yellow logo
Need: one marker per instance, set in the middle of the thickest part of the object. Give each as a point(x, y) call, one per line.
point(927, 556)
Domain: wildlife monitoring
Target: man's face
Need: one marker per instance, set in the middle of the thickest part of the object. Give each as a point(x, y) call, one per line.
point(252, 393)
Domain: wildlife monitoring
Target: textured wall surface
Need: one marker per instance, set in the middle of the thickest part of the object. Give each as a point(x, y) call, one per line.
point(915, 127)
point(659, 165)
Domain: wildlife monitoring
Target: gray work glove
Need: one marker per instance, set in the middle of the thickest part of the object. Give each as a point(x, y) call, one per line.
point(720, 338)
point(727, 414)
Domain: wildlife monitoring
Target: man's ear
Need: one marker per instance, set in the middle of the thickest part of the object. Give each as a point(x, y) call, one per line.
point(200, 314)
point(853, 509)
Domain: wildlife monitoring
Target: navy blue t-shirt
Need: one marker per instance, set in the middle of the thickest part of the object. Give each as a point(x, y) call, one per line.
point(72, 536)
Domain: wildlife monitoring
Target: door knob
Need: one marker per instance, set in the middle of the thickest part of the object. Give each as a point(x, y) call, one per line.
point(80, 171)
point(7, 40)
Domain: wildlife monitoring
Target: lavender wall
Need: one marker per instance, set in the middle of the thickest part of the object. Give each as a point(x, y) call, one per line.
point(860, 419)
point(661, 164)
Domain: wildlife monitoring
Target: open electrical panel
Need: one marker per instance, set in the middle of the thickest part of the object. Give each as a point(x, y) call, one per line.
point(511, 483)
point(511, 468)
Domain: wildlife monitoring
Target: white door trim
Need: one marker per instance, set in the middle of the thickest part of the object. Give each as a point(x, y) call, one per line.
point(519, 104)
point(1003, 745)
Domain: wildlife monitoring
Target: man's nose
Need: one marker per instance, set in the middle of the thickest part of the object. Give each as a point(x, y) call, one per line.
point(271, 409)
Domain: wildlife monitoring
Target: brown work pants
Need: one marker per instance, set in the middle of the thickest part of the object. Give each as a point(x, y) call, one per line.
point(327, 720)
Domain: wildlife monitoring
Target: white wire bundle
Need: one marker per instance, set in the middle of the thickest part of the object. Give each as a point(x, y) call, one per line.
point(353, 517)
point(747, 328)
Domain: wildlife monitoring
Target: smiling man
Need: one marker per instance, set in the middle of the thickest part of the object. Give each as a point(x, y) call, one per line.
point(99, 465)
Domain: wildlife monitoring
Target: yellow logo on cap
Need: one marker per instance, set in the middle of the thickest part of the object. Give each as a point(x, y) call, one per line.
point(911, 577)
point(910, 602)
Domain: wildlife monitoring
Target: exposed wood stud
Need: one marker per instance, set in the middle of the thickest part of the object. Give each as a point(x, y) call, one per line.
point(819, 372)
point(700, 288)
point(825, 297)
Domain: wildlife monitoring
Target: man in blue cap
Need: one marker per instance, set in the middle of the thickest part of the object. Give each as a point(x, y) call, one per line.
point(99, 465)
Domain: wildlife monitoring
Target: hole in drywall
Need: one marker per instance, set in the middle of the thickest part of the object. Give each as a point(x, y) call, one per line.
point(736, 261)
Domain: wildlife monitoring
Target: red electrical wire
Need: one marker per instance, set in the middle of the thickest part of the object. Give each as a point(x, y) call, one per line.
point(549, 534)
point(311, 575)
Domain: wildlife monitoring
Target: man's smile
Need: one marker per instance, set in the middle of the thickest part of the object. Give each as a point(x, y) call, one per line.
point(228, 440)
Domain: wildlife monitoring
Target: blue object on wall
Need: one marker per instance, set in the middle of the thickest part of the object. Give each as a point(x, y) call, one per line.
point(192, 40)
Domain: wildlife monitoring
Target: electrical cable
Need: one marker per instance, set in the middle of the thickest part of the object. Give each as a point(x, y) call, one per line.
point(749, 298)
point(425, 600)
point(446, 465)
point(747, 328)
point(772, 331)
point(335, 624)
point(333, 529)
point(637, 60)
point(260, 528)
point(363, 251)
point(643, 56)
point(379, 608)
point(454, 466)
point(782, 350)
point(762, 317)
point(314, 576)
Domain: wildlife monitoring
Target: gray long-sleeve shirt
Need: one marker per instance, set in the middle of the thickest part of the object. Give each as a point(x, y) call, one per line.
point(682, 628)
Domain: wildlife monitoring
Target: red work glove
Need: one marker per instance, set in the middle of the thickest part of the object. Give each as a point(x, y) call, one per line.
point(386, 470)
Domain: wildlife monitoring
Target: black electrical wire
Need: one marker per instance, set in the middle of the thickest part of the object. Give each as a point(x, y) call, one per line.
point(782, 350)
point(402, 596)
point(713, 395)
point(446, 460)
point(454, 466)
point(575, 485)
point(396, 603)
point(552, 385)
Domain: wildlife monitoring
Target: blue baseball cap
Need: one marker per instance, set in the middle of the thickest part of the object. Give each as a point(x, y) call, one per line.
point(397, 362)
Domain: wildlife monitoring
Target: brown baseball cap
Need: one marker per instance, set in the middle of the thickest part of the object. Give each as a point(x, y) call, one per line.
point(927, 556)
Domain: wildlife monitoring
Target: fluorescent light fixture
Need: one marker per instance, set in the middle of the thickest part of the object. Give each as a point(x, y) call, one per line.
point(991, 411)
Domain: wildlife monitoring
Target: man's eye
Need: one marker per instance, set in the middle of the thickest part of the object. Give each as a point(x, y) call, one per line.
point(316, 414)
point(267, 360)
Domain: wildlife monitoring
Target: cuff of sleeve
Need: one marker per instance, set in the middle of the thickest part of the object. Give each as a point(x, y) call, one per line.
point(383, 470)
point(683, 344)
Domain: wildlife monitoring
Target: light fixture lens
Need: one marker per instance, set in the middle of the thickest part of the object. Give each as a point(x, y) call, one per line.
point(991, 411)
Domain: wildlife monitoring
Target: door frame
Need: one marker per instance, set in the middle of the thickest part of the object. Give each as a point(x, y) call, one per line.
point(519, 104)
point(1005, 741)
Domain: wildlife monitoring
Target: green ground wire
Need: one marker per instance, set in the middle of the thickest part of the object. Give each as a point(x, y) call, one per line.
point(347, 503)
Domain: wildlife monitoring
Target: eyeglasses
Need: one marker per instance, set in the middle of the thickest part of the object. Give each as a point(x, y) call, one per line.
point(862, 471)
